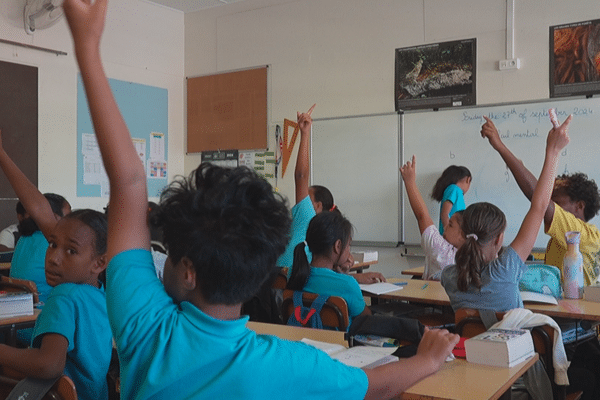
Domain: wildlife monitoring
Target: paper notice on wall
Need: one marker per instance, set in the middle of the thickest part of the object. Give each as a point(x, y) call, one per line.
point(157, 169)
point(140, 148)
point(157, 146)
point(93, 168)
point(246, 158)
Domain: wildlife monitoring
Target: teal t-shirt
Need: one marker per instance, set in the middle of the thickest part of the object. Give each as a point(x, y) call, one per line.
point(302, 213)
point(29, 260)
point(78, 312)
point(455, 195)
point(331, 283)
point(170, 350)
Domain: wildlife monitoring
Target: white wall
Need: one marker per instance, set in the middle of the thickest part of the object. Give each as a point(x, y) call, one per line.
point(340, 53)
point(142, 43)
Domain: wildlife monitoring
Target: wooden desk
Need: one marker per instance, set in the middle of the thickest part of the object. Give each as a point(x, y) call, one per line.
point(359, 266)
point(435, 294)
point(416, 273)
point(457, 379)
point(297, 333)
point(416, 291)
point(460, 380)
point(13, 324)
point(5, 266)
point(572, 309)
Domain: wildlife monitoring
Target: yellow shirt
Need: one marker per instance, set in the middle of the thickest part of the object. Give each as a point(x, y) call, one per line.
point(589, 244)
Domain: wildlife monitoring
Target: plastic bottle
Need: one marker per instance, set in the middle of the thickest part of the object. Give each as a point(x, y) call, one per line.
point(572, 272)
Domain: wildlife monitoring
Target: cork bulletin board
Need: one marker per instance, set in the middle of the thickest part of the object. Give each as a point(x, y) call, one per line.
point(227, 111)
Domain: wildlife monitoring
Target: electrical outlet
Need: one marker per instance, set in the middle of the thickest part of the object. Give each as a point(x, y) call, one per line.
point(515, 63)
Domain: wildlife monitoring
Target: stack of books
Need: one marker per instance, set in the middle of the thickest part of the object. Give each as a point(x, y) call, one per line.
point(500, 347)
point(15, 304)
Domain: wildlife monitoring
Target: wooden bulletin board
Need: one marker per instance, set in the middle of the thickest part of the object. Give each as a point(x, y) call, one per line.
point(19, 125)
point(227, 111)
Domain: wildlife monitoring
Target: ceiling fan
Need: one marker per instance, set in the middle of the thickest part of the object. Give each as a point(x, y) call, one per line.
point(40, 14)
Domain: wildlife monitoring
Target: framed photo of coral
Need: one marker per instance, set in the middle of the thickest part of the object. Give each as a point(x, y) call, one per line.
point(575, 59)
point(436, 75)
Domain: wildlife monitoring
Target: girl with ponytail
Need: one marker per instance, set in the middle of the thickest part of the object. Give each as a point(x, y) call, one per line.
point(483, 280)
point(328, 238)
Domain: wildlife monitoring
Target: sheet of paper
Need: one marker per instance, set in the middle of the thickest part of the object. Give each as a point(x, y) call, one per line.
point(380, 288)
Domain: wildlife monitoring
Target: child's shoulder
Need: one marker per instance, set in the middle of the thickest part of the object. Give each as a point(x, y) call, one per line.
point(77, 290)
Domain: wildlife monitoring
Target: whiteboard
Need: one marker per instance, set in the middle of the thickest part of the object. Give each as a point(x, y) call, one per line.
point(447, 137)
point(357, 159)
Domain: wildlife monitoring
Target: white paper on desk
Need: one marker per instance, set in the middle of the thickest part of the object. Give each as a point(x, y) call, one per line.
point(329, 348)
point(379, 288)
point(364, 356)
point(538, 298)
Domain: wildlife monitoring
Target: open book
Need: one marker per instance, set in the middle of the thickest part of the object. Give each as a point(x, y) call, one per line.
point(359, 356)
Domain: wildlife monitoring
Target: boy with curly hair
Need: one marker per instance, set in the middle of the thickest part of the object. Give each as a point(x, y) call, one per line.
point(575, 201)
point(224, 230)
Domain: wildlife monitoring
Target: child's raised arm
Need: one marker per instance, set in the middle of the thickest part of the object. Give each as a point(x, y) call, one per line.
point(33, 200)
point(558, 138)
point(127, 227)
point(409, 172)
point(525, 179)
point(302, 171)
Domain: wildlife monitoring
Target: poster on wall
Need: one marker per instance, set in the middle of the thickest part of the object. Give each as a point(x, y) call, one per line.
point(145, 111)
point(575, 59)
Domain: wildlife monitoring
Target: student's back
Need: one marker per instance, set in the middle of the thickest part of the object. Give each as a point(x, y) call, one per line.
point(166, 348)
point(328, 237)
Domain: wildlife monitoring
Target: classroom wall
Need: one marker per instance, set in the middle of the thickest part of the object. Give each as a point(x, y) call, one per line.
point(340, 53)
point(142, 43)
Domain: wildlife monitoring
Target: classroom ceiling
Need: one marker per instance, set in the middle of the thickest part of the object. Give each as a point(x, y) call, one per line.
point(192, 5)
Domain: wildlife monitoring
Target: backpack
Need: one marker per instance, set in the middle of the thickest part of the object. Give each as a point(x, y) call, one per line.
point(309, 317)
point(541, 278)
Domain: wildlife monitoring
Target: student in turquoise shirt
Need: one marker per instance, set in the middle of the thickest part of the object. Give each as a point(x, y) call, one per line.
point(328, 237)
point(224, 230)
point(72, 334)
point(449, 190)
point(303, 211)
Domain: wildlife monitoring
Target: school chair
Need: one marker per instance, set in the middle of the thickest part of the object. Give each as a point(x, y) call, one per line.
point(469, 324)
point(62, 389)
point(281, 279)
point(334, 313)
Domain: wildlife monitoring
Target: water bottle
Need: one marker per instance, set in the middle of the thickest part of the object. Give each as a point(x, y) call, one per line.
point(572, 272)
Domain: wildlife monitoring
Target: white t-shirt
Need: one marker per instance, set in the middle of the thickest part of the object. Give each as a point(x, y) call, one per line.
point(7, 236)
point(439, 253)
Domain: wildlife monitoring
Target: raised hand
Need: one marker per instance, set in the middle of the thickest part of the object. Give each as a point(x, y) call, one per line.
point(558, 138)
point(409, 170)
point(489, 131)
point(86, 21)
point(305, 120)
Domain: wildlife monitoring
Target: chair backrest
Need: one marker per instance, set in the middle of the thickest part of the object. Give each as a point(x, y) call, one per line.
point(63, 388)
point(18, 285)
point(334, 313)
point(281, 279)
